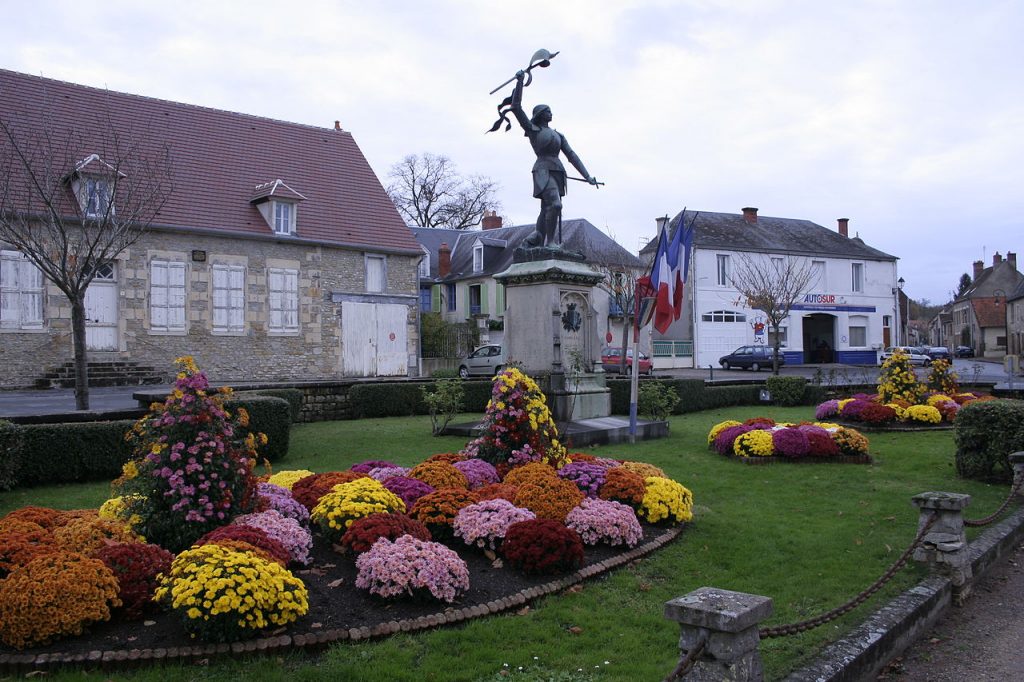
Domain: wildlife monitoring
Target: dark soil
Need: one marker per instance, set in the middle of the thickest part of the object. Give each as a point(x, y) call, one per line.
point(334, 602)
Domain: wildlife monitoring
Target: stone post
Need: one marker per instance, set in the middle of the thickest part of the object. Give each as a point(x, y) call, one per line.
point(944, 546)
point(1017, 462)
point(728, 621)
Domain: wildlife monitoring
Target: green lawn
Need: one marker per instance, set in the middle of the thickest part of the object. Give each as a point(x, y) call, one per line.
point(809, 536)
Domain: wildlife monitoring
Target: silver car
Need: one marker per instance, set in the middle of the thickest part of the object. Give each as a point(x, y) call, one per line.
point(917, 355)
point(484, 361)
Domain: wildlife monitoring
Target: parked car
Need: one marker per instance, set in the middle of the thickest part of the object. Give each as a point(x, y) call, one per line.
point(484, 361)
point(750, 357)
point(964, 352)
point(938, 353)
point(917, 355)
point(611, 358)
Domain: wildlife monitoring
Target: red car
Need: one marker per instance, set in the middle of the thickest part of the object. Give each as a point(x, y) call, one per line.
point(611, 358)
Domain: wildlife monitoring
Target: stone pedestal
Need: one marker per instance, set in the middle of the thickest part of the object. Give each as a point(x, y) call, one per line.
point(551, 331)
point(944, 546)
point(728, 622)
point(1017, 462)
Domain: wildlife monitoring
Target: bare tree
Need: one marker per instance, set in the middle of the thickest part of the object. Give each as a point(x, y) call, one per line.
point(772, 285)
point(620, 284)
point(429, 192)
point(72, 200)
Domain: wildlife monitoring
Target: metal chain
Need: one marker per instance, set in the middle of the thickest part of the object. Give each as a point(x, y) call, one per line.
point(802, 626)
point(686, 665)
point(976, 523)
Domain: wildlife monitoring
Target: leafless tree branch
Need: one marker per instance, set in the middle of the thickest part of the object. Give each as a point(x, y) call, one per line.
point(428, 191)
point(42, 217)
point(772, 284)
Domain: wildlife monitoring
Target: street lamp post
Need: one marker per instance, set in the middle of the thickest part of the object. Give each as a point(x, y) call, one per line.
point(901, 318)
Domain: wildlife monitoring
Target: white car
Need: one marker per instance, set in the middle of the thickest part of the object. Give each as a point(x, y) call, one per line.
point(484, 361)
point(917, 355)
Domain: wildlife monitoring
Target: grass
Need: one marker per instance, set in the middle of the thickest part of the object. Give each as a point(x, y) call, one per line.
point(810, 536)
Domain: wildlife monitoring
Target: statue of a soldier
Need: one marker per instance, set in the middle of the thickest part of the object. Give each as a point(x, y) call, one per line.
point(549, 177)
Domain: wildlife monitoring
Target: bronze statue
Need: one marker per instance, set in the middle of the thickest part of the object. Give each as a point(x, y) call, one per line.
point(549, 176)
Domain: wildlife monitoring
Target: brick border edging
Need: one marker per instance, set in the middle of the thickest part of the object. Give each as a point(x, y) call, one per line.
point(811, 459)
point(888, 631)
point(21, 664)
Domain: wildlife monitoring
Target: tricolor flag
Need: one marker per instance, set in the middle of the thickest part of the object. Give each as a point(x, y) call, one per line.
point(669, 273)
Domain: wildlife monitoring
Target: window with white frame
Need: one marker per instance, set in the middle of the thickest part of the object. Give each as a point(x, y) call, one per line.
point(782, 337)
point(284, 217)
point(21, 292)
point(96, 197)
point(857, 272)
point(818, 274)
point(723, 316)
point(425, 263)
point(376, 274)
point(283, 300)
point(858, 331)
point(228, 298)
point(166, 296)
point(478, 257)
point(723, 270)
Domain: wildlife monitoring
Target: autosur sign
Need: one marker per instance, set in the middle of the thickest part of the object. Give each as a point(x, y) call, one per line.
point(830, 302)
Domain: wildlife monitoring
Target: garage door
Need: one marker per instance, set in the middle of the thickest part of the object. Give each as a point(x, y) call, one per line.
point(374, 339)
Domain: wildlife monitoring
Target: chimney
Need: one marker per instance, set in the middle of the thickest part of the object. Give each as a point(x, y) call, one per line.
point(337, 125)
point(750, 215)
point(1011, 258)
point(444, 260)
point(844, 226)
point(662, 223)
point(979, 267)
point(997, 258)
point(491, 220)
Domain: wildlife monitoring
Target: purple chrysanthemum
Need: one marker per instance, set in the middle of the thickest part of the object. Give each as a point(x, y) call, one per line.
point(790, 442)
point(587, 476)
point(409, 489)
point(364, 467)
point(827, 409)
point(725, 439)
point(477, 472)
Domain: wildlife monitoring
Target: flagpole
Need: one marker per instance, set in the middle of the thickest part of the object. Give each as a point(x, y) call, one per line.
point(634, 380)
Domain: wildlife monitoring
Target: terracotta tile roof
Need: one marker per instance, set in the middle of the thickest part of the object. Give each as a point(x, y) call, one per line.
point(220, 157)
point(988, 312)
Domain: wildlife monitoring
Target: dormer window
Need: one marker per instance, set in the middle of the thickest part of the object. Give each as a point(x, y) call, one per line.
point(92, 183)
point(279, 205)
point(284, 217)
point(478, 257)
point(425, 263)
point(96, 196)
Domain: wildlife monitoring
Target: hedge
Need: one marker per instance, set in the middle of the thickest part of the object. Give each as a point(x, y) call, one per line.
point(10, 449)
point(986, 433)
point(72, 452)
point(292, 395)
point(402, 399)
point(43, 454)
point(694, 395)
point(786, 391)
point(270, 415)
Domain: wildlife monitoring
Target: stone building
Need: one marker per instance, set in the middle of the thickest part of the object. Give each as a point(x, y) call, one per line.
point(277, 255)
point(979, 316)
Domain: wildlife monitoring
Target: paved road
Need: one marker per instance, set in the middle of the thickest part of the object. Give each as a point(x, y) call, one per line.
point(980, 641)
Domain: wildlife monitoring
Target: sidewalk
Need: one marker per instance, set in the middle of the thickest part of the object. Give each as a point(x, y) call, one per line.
point(62, 400)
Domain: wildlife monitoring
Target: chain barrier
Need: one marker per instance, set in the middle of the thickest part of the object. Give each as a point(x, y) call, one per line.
point(811, 623)
point(977, 523)
point(686, 665)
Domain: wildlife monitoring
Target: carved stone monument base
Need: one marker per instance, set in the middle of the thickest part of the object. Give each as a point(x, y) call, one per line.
point(551, 331)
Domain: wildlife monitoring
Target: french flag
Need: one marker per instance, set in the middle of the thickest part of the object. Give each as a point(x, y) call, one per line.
point(669, 274)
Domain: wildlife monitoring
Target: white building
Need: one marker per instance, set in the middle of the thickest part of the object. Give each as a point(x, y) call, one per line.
point(847, 315)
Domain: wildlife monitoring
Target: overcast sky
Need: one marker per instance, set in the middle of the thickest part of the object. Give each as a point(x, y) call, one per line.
point(906, 116)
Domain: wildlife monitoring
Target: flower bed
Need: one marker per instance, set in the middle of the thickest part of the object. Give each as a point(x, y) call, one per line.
point(761, 440)
point(901, 401)
point(234, 582)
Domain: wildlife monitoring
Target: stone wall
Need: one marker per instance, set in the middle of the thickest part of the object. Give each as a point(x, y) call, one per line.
point(253, 353)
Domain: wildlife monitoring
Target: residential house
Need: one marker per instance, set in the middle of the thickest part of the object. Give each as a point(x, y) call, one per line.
point(1015, 322)
point(277, 255)
point(458, 267)
point(980, 314)
point(847, 315)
